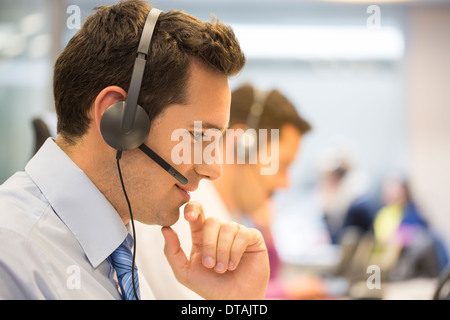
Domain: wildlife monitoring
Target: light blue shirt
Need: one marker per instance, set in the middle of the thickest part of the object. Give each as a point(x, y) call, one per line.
point(56, 232)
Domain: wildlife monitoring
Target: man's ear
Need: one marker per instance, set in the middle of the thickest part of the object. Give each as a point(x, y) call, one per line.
point(106, 98)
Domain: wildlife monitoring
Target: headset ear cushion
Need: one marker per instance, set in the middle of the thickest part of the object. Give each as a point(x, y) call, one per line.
point(111, 123)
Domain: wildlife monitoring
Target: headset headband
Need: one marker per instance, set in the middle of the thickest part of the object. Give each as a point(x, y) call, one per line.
point(129, 112)
point(257, 107)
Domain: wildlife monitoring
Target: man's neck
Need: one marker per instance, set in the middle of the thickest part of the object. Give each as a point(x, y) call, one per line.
point(93, 164)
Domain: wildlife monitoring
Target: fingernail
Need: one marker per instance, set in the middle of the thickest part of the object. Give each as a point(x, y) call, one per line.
point(220, 267)
point(190, 214)
point(230, 265)
point(208, 262)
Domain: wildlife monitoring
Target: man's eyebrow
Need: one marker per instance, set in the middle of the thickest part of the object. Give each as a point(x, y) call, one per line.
point(207, 125)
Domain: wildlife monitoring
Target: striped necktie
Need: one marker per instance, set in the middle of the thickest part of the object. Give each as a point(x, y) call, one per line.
point(121, 260)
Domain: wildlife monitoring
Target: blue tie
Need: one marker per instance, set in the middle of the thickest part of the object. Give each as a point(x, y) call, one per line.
point(122, 260)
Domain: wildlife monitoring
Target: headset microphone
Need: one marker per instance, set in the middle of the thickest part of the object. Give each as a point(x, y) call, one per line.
point(174, 173)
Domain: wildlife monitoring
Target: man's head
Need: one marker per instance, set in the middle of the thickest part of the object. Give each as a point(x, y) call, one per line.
point(185, 80)
point(244, 186)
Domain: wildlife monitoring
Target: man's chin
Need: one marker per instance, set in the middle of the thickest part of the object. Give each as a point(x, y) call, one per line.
point(171, 218)
point(164, 219)
point(169, 224)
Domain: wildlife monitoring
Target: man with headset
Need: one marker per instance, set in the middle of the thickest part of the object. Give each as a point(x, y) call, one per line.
point(129, 78)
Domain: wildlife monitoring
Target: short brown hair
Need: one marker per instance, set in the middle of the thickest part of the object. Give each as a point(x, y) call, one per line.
point(102, 54)
point(277, 110)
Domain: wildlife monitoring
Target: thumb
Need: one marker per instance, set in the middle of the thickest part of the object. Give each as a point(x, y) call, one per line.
point(174, 253)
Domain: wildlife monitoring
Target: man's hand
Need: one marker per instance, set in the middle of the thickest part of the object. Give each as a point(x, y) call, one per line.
point(227, 261)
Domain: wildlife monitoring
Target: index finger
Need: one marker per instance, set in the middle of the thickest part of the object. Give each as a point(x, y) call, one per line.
point(193, 213)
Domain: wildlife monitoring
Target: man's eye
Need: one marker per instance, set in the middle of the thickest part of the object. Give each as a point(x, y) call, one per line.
point(207, 135)
point(198, 135)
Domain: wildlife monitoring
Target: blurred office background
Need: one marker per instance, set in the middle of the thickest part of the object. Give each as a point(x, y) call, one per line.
point(372, 77)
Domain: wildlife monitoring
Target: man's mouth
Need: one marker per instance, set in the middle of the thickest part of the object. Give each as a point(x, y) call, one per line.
point(186, 191)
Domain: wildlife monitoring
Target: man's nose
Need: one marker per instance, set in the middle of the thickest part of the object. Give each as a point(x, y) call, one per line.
point(210, 171)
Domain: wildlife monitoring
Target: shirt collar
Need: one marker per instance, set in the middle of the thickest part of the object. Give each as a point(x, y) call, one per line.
point(76, 200)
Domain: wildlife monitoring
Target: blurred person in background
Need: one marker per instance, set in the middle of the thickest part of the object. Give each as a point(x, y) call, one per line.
point(343, 193)
point(400, 223)
point(248, 194)
point(303, 285)
point(243, 194)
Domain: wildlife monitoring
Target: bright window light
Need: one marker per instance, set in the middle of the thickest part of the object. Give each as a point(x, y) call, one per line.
point(319, 42)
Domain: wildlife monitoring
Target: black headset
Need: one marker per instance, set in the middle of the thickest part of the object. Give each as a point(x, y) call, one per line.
point(125, 125)
point(248, 140)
